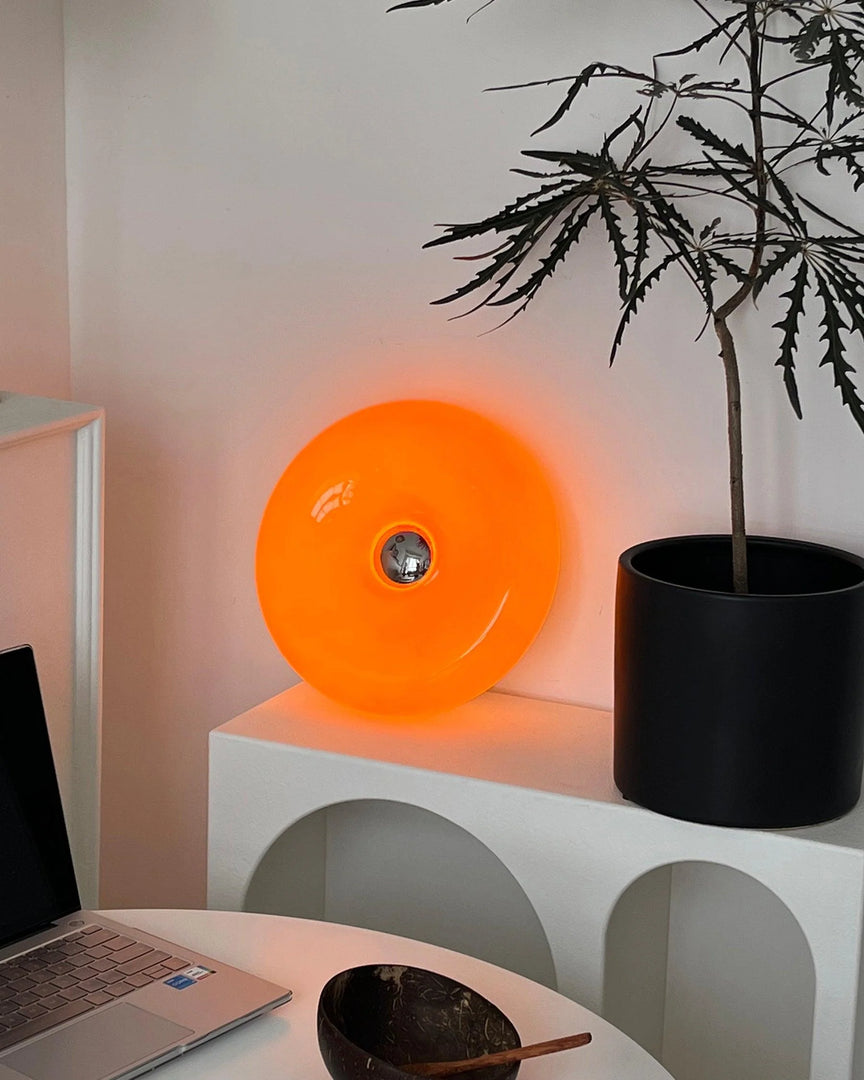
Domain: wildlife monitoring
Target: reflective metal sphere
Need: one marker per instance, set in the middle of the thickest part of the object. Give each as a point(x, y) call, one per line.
point(406, 557)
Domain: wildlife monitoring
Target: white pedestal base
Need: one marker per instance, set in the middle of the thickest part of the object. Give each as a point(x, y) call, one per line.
point(531, 780)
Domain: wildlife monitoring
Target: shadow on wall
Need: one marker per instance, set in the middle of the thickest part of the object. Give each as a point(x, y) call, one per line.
point(712, 974)
point(403, 870)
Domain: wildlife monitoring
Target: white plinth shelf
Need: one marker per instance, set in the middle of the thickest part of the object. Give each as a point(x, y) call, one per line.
point(532, 781)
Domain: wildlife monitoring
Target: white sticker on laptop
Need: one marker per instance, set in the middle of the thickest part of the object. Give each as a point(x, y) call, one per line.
point(189, 977)
point(197, 973)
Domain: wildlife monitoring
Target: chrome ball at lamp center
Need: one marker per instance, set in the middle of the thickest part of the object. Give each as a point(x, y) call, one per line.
point(406, 557)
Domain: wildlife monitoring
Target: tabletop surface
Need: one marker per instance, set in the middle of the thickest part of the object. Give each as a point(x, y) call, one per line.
point(303, 954)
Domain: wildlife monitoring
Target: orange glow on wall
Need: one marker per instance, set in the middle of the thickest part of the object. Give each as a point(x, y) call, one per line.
point(408, 557)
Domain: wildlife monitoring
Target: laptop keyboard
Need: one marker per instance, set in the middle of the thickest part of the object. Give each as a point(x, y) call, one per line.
point(72, 975)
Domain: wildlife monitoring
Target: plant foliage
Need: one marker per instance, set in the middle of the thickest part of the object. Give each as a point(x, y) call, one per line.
point(742, 77)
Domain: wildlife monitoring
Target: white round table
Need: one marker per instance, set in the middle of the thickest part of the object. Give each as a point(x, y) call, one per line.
point(302, 954)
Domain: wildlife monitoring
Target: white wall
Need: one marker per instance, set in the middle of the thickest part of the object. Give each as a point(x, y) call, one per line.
point(249, 186)
point(34, 328)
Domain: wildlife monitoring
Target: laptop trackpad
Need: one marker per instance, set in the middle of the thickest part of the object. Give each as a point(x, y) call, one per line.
point(98, 1046)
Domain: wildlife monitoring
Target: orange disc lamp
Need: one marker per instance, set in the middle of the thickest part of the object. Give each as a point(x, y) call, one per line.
point(408, 557)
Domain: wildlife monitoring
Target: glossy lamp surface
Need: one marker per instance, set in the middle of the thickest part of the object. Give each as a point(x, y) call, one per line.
point(407, 557)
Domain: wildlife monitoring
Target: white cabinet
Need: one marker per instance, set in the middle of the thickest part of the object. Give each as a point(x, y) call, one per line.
point(641, 916)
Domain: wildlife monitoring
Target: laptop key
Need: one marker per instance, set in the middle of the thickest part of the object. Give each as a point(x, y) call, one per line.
point(62, 981)
point(119, 989)
point(62, 968)
point(141, 962)
point(100, 938)
point(98, 997)
point(174, 963)
point(111, 976)
point(119, 942)
point(139, 980)
point(32, 1011)
point(98, 951)
point(105, 964)
point(26, 1027)
point(131, 952)
point(93, 984)
point(24, 983)
point(71, 993)
point(53, 1002)
point(70, 948)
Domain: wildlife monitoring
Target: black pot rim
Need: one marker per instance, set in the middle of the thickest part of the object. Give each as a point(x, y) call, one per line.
point(626, 562)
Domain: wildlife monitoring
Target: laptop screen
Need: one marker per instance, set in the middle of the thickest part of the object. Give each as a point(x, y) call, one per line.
point(37, 880)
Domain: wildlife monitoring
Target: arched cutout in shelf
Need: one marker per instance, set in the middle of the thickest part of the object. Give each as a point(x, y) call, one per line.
point(711, 972)
point(404, 870)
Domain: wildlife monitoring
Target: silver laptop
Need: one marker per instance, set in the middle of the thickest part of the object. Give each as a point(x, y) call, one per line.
point(82, 997)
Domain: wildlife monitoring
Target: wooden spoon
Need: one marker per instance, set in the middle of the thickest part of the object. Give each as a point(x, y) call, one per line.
point(503, 1057)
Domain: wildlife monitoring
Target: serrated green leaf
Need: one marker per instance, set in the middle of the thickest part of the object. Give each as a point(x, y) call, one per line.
point(850, 291)
point(567, 237)
point(809, 38)
point(731, 267)
point(526, 211)
point(415, 3)
point(633, 120)
point(642, 233)
point(833, 325)
point(715, 142)
point(786, 198)
point(846, 157)
point(674, 228)
point(791, 117)
point(789, 325)
point(846, 80)
point(822, 213)
point(752, 197)
point(576, 160)
point(706, 39)
point(616, 239)
point(785, 254)
point(506, 256)
point(635, 298)
point(593, 71)
point(707, 276)
point(582, 80)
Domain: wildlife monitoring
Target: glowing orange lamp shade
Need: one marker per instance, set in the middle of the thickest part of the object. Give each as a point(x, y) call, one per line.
point(407, 557)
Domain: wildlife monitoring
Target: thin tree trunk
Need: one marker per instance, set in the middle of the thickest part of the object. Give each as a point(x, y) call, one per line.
point(736, 454)
point(740, 582)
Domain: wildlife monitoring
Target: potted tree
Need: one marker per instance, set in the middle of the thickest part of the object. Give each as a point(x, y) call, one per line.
point(739, 661)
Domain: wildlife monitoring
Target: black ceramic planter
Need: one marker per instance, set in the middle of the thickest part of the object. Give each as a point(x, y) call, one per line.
point(740, 710)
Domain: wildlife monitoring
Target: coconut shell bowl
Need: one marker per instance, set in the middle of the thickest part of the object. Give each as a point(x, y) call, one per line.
point(374, 1019)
